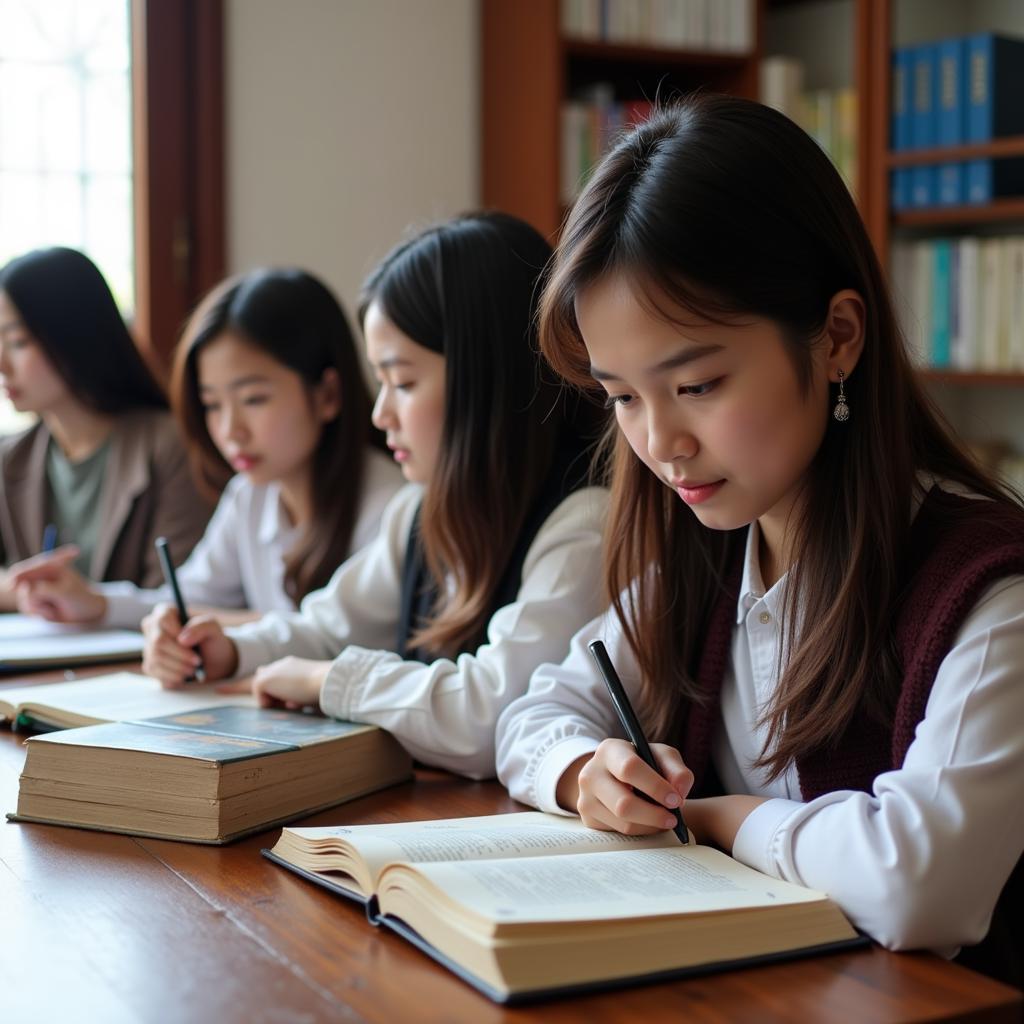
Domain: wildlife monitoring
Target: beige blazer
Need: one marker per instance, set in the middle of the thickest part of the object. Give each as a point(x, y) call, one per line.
point(147, 493)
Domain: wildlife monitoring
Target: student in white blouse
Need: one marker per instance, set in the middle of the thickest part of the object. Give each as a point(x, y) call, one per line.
point(818, 597)
point(488, 562)
point(266, 384)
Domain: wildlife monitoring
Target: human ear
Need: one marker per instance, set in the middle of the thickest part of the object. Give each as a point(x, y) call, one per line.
point(327, 395)
point(844, 333)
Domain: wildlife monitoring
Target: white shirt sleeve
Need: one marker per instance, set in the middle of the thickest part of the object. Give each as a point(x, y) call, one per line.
point(211, 575)
point(920, 861)
point(359, 604)
point(565, 714)
point(444, 713)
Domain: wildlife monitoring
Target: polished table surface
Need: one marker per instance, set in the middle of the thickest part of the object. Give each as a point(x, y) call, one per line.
point(113, 929)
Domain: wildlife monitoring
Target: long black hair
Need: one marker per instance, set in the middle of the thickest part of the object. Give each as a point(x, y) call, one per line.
point(298, 322)
point(68, 309)
point(469, 289)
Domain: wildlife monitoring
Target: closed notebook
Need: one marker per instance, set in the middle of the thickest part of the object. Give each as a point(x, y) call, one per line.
point(29, 643)
point(525, 906)
point(206, 775)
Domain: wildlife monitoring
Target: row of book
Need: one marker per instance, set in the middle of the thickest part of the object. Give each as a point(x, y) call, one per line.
point(951, 93)
point(961, 301)
point(829, 116)
point(590, 127)
point(725, 26)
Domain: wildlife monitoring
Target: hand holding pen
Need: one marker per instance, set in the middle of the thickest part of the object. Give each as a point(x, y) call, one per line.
point(671, 808)
point(172, 581)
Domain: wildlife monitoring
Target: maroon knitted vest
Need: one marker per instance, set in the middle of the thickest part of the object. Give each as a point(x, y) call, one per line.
point(958, 548)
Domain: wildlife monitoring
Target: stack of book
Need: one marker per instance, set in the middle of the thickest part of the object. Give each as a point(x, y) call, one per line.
point(961, 301)
point(189, 764)
point(591, 125)
point(829, 116)
point(952, 93)
point(724, 26)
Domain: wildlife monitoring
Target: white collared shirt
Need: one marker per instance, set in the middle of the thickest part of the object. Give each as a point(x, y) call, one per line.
point(444, 713)
point(918, 862)
point(239, 561)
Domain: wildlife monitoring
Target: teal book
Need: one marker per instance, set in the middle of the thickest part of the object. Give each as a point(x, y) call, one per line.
point(206, 775)
point(940, 344)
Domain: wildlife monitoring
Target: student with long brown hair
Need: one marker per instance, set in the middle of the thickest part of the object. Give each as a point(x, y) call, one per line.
point(817, 599)
point(275, 411)
point(488, 562)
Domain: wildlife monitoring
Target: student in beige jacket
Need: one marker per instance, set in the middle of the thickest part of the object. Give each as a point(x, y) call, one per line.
point(104, 464)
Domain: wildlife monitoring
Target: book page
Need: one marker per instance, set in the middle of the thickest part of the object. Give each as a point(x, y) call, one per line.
point(27, 640)
point(599, 886)
point(528, 834)
point(119, 697)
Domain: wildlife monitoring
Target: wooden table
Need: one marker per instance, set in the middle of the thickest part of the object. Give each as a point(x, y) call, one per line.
point(115, 929)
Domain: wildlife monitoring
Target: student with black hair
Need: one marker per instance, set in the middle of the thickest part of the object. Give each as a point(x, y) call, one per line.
point(487, 562)
point(104, 464)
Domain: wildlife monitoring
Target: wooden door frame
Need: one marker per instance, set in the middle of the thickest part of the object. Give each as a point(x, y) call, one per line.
point(178, 150)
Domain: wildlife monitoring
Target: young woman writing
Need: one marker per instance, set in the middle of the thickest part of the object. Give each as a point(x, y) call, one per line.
point(817, 596)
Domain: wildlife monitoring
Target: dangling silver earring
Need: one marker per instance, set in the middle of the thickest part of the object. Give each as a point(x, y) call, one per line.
point(842, 411)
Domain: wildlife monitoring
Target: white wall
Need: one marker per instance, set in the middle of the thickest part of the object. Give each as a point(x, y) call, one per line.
point(346, 121)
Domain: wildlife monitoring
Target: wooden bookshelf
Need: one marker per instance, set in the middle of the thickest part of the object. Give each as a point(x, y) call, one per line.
point(998, 211)
point(1013, 146)
point(977, 378)
point(529, 69)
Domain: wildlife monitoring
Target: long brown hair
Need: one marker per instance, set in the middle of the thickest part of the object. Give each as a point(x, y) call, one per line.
point(727, 208)
point(297, 321)
point(468, 289)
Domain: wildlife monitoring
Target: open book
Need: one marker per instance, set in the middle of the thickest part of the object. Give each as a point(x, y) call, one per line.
point(205, 775)
point(529, 905)
point(119, 697)
point(30, 643)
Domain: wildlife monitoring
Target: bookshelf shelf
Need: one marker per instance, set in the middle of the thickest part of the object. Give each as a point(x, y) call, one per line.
point(1012, 146)
point(998, 211)
point(977, 378)
point(666, 56)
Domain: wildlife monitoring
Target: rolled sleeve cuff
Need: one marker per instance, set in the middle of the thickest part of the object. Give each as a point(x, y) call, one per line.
point(347, 679)
point(551, 765)
point(124, 609)
point(758, 839)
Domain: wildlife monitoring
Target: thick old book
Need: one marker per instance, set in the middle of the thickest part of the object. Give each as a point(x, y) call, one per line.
point(526, 906)
point(206, 775)
point(118, 697)
point(28, 643)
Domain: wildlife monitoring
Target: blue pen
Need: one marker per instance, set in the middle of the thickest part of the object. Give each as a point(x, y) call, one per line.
point(49, 538)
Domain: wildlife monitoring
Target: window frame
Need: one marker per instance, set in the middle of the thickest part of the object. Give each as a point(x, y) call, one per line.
point(178, 172)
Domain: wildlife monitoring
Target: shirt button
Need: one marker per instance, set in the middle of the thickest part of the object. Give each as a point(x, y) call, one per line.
point(765, 618)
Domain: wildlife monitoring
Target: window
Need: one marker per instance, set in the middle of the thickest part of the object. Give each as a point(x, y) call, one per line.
point(65, 137)
point(111, 141)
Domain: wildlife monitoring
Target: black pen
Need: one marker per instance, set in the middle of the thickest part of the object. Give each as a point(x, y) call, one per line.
point(632, 725)
point(172, 581)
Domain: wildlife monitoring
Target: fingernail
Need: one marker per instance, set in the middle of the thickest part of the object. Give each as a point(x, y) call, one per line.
point(672, 800)
point(668, 823)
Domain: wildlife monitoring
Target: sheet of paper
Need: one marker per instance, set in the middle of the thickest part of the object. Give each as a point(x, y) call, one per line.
point(26, 640)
